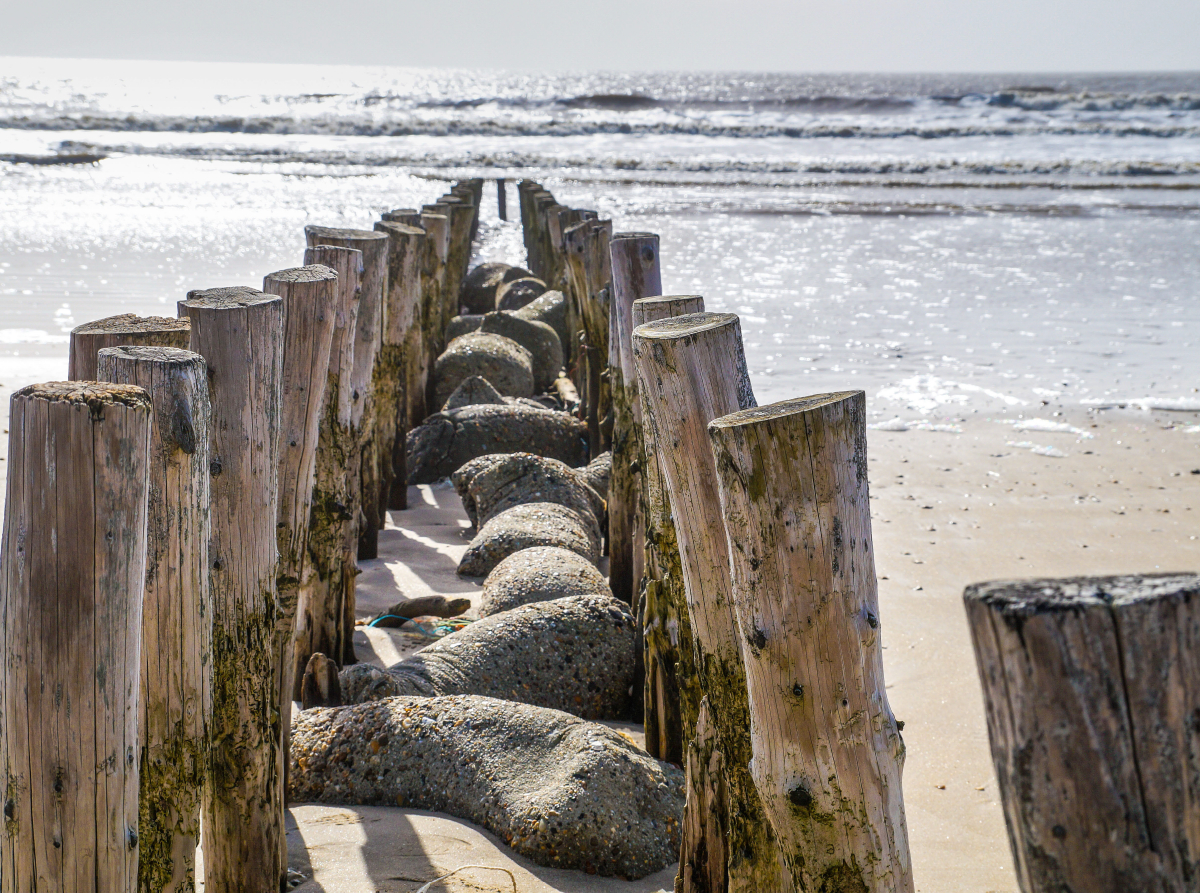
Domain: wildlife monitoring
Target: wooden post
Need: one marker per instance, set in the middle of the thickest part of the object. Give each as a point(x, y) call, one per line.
point(403, 364)
point(239, 332)
point(438, 306)
point(115, 331)
point(1091, 687)
point(325, 614)
point(310, 298)
point(635, 274)
point(590, 263)
point(368, 338)
point(73, 572)
point(501, 199)
point(671, 701)
point(827, 753)
point(459, 256)
point(176, 667)
point(407, 216)
point(692, 369)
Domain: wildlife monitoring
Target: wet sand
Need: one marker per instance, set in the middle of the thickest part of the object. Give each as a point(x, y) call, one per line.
point(949, 509)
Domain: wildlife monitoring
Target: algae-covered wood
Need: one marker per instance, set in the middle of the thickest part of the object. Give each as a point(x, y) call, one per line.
point(72, 576)
point(827, 753)
point(672, 687)
point(239, 332)
point(635, 274)
point(1091, 687)
point(368, 339)
point(176, 662)
point(693, 369)
point(325, 612)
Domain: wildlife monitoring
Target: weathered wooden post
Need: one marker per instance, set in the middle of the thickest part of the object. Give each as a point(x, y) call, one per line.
point(400, 380)
point(368, 338)
point(461, 215)
point(325, 614)
point(635, 274)
point(501, 199)
point(239, 332)
point(310, 297)
point(590, 262)
point(73, 574)
point(115, 331)
point(1091, 687)
point(176, 668)
point(692, 369)
point(438, 307)
point(672, 694)
point(827, 753)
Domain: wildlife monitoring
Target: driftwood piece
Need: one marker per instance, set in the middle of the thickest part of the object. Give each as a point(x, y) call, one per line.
point(635, 274)
point(422, 606)
point(400, 370)
point(325, 611)
point(115, 331)
point(1091, 686)
point(692, 370)
point(175, 703)
point(827, 753)
point(239, 332)
point(671, 697)
point(73, 574)
point(368, 338)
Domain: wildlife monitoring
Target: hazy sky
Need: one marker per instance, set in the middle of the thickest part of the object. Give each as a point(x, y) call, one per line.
point(797, 35)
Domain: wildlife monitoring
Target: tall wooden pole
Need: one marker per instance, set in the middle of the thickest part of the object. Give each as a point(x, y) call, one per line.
point(368, 339)
point(693, 369)
point(309, 296)
point(827, 753)
point(1091, 687)
point(671, 702)
point(402, 365)
point(115, 331)
point(325, 612)
point(73, 573)
point(176, 668)
point(501, 199)
point(239, 332)
point(635, 274)
point(437, 306)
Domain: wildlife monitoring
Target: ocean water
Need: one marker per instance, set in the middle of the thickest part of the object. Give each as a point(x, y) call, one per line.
point(950, 243)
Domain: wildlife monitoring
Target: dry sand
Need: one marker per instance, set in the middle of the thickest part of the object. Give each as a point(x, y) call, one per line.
point(949, 509)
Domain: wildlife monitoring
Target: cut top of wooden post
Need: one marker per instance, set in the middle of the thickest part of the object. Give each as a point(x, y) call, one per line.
point(408, 216)
point(664, 306)
point(635, 274)
point(1092, 691)
point(127, 328)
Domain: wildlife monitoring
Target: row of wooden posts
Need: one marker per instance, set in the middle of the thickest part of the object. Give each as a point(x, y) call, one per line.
point(742, 536)
point(203, 484)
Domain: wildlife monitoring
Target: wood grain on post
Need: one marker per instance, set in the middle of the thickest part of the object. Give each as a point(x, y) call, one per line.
point(310, 298)
point(116, 331)
point(692, 369)
point(239, 332)
point(635, 274)
point(403, 365)
point(1091, 687)
point(325, 613)
point(368, 338)
point(671, 700)
point(438, 306)
point(176, 668)
point(73, 574)
point(827, 753)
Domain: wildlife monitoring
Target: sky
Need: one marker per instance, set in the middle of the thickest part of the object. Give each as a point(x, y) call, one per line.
point(704, 35)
